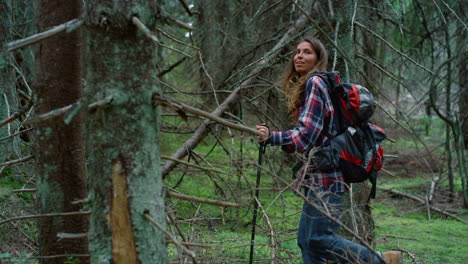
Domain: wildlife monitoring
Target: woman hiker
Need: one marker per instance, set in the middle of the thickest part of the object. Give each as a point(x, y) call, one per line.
point(310, 107)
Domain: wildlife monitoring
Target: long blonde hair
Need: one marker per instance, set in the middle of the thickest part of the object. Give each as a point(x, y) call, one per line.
point(294, 83)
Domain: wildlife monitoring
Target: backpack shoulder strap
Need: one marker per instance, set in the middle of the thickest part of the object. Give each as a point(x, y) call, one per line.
point(332, 80)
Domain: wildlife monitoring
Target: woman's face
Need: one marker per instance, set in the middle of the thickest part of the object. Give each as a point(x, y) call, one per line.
point(305, 58)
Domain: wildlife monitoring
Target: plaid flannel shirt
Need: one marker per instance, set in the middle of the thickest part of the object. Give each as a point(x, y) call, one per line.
point(316, 115)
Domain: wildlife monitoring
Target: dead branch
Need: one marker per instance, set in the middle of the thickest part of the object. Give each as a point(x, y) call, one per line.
point(67, 26)
point(23, 190)
point(17, 114)
point(16, 134)
point(145, 30)
point(192, 165)
point(44, 216)
point(176, 21)
point(61, 236)
point(198, 199)
point(181, 106)
point(170, 236)
point(394, 236)
point(272, 232)
point(13, 162)
point(202, 130)
point(72, 108)
point(422, 201)
point(186, 8)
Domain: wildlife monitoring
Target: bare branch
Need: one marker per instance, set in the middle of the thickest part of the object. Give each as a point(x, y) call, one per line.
point(192, 165)
point(13, 162)
point(71, 236)
point(16, 115)
point(68, 27)
point(69, 108)
point(181, 106)
point(16, 134)
point(199, 200)
point(262, 64)
point(44, 216)
point(422, 201)
point(170, 236)
point(145, 30)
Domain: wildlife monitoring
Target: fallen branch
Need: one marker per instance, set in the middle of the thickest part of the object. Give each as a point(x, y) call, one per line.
point(181, 106)
point(200, 200)
point(191, 244)
point(201, 132)
point(422, 201)
point(21, 43)
point(44, 216)
point(394, 236)
point(170, 236)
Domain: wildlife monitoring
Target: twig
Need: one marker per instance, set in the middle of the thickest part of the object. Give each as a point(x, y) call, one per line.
point(44, 216)
point(396, 50)
point(191, 165)
point(200, 200)
point(421, 200)
point(170, 236)
point(394, 236)
point(23, 190)
point(69, 108)
point(50, 257)
point(192, 244)
point(13, 162)
point(71, 236)
point(16, 134)
point(272, 233)
point(51, 114)
point(17, 114)
point(68, 26)
point(411, 255)
point(178, 105)
point(176, 21)
point(145, 30)
point(185, 6)
point(8, 111)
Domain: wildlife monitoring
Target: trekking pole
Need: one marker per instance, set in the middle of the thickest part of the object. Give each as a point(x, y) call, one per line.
point(261, 151)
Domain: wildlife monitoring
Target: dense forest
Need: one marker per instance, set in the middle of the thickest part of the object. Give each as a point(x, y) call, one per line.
point(127, 128)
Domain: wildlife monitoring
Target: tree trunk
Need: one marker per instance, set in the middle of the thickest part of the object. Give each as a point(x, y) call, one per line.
point(59, 152)
point(122, 141)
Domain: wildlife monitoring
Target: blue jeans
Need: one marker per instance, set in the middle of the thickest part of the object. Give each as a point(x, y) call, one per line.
point(317, 238)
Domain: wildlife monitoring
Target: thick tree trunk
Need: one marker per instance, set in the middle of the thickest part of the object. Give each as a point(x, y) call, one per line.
point(59, 146)
point(122, 141)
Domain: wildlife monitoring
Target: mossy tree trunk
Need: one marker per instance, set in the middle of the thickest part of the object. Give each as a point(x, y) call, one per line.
point(59, 153)
point(122, 138)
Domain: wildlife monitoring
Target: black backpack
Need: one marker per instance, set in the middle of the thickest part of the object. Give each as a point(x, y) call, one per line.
point(357, 148)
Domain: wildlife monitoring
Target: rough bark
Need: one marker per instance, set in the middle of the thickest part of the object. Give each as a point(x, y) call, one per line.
point(122, 139)
point(59, 150)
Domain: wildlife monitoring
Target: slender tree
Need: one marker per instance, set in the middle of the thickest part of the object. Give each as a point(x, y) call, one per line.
point(122, 138)
point(59, 152)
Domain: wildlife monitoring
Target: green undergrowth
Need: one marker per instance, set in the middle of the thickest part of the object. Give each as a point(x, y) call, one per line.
point(432, 241)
